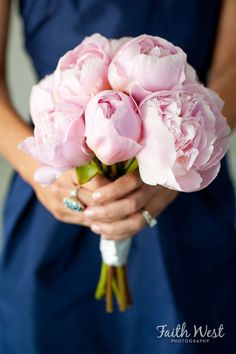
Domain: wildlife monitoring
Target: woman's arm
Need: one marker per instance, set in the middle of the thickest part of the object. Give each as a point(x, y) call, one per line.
point(223, 72)
point(12, 128)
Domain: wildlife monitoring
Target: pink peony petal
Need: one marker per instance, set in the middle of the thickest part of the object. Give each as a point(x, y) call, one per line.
point(209, 175)
point(190, 75)
point(109, 46)
point(158, 155)
point(47, 175)
point(40, 101)
point(189, 182)
point(27, 145)
point(111, 148)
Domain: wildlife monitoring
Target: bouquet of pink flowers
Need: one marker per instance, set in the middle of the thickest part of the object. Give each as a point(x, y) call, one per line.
point(113, 106)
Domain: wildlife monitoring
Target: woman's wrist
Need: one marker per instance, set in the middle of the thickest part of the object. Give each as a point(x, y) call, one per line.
point(13, 131)
point(26, 167)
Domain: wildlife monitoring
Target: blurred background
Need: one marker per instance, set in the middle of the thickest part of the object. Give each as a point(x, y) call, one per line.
point(21, 78)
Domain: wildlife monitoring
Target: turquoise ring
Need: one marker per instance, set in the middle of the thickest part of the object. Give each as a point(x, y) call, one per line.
point(73, 204)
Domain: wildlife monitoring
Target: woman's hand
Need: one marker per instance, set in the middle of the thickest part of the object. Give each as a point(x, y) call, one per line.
point(52, 197)
point(112, 208)
point(116, 212)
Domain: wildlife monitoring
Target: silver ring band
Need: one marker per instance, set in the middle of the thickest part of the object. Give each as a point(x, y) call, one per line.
point(73, 193)
point(149, 220)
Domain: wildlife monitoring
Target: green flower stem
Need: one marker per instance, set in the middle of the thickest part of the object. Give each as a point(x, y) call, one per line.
point(105, 169)
point(115, 287)
point(131, 165)
point(127, 164)
point(109, 294)
point(114, 171)
point(120, 169)
point(121, 287)
point(101, 287)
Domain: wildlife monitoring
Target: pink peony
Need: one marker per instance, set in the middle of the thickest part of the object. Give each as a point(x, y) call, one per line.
point(58, 143)
point(113, 127)
point(148, 64)
point(109, 46)
point(41, 98)
point(80, 74)
point(185, 137)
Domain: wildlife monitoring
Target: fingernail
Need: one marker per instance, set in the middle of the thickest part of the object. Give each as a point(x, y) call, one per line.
point(96, 228)
point(89, 213)
point(96, 195)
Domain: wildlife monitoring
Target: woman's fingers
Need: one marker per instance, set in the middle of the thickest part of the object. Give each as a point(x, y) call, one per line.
point(85, 196)
point(121, 229)
point(122, 207)
point(107, 191)
point(113, 209)
point(60, 211)
point(95, 183)
point(117, 189)
point(84, 192)
point(72, 217)
point(52, 198)
point(68, 179)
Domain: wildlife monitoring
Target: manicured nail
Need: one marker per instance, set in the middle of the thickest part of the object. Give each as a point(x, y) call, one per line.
point(97, 195)
point(96, 228)
point(89, 213)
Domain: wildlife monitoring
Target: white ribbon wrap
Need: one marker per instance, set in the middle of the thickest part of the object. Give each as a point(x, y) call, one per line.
point(115, 253)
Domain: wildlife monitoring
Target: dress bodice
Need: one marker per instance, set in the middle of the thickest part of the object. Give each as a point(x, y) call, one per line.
point(55, 26)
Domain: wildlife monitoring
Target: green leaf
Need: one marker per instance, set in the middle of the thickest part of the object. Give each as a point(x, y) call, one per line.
point(86, 172)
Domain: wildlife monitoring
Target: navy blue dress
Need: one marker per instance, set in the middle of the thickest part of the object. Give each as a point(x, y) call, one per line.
point(181, 271)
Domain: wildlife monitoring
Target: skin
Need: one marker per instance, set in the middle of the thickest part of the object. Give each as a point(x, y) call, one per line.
point(113, 208)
